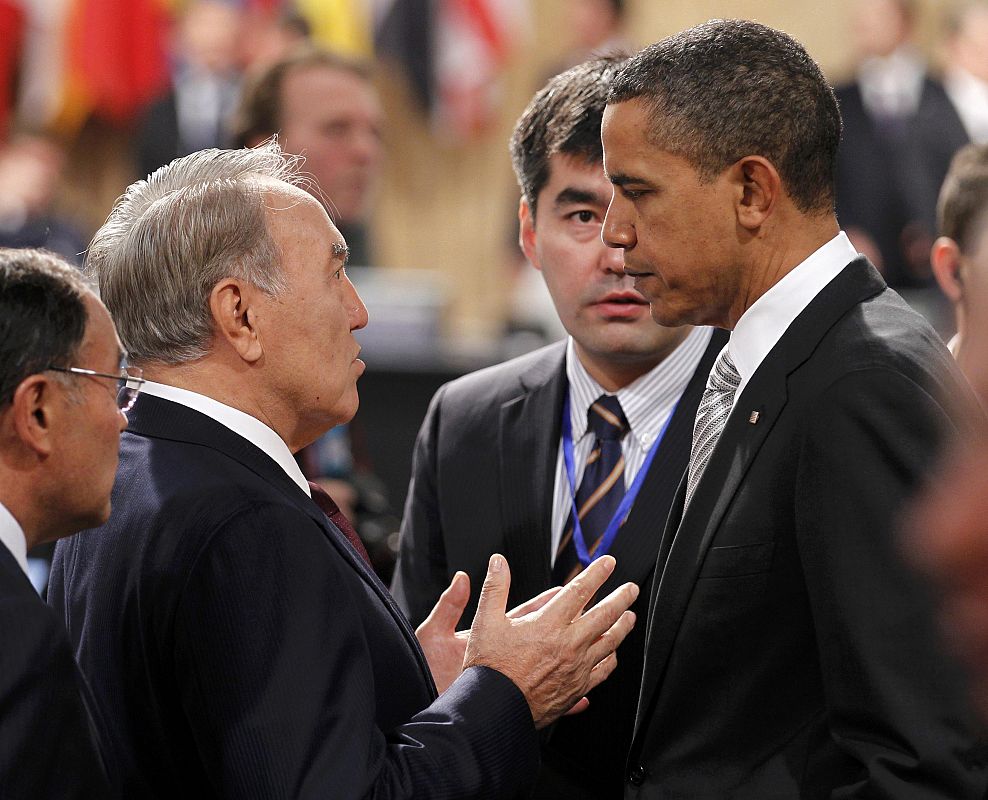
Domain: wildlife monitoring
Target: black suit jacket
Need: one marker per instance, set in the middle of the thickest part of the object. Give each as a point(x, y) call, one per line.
point(790, 652)
point(49, 746)
point(241, 647)
point(482, 482)
point(888, 183)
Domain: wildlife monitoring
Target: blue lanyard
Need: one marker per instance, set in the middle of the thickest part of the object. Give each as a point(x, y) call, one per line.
point(629, 496)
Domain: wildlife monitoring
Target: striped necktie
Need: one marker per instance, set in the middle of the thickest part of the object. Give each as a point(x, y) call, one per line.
point(601, 489)
point(711, 416)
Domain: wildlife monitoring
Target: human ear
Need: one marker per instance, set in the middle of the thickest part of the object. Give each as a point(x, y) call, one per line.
point(526, 233)
point(945, 258)
point(759, 188)
point(233, 306)
point(32, 413)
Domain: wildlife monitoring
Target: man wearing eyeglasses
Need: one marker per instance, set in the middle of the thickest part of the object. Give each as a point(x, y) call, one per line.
point(60, 424)
point(240, 644)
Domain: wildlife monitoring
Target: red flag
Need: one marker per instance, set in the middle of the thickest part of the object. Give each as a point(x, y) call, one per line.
point(11, 40)
point(116, 57)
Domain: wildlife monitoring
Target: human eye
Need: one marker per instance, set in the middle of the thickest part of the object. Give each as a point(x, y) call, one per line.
point(583, 215)
point(340, 273)
point(633, 194)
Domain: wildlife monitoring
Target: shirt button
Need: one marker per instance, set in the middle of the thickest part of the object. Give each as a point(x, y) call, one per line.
point(637, 775)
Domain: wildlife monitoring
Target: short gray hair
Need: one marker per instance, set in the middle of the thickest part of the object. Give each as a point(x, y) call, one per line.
point(171, 238)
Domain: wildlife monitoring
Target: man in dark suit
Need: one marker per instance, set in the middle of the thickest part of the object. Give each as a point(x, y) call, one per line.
point(239, 642)
point(60, 428)
point(790, 653)
point(900, 131)
point(489, 470)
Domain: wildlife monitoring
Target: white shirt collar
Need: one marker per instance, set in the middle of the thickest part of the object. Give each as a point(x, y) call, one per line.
point(250, 428)
point(970, 98)
point(645, 401)
point(12, 535)
point(768, 318)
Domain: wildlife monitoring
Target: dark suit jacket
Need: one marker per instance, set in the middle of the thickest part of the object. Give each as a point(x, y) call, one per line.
point(482, 482)
point(49, 746)
point(241, 648)
point(790, 652)
point(888, 183)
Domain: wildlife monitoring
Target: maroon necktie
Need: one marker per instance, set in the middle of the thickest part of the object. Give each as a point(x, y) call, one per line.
point(338, 518)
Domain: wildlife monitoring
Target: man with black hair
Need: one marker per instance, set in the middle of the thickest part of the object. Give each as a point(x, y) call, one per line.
point(790, 652)
point(61, 385)
point(491, 472)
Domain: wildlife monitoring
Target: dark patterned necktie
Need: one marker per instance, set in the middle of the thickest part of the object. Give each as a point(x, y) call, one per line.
point(328, 505)
point(711, 416)
point(601, 489)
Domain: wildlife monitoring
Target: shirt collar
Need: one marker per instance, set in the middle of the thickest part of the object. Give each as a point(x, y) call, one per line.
point(768, 318)
point(646, 401)
point(250, 428)
point(12, 535)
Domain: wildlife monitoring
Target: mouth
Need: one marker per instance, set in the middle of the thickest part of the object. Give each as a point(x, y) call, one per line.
point(626, 304)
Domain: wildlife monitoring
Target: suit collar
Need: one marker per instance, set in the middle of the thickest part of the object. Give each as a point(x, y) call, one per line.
point(156, 418)
point(688, 535)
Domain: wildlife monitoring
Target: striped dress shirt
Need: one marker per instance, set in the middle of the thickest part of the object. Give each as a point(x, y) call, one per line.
point(647, 403)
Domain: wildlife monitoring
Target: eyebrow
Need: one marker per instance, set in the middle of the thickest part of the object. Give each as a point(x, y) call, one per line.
point(571, 195)
point(620, 179)
point(341, 251)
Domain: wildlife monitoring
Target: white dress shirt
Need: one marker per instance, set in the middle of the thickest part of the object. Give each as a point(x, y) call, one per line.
point(970, 98)
point(892, 86)
point(250, 428)
point(648, 403)
point(770, 316)
point(12, 536)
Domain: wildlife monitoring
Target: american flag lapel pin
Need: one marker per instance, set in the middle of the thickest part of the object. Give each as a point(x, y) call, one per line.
point(753, 417)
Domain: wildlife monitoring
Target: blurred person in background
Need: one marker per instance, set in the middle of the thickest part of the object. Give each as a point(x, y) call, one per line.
point(897, 117)
point(966, 74)
point(30, 171)
point(960, 254)
point(489, 472)
point(196, 111)
point(324, 107)
point(61, 414)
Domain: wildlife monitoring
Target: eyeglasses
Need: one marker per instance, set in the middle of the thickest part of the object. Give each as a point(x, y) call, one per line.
point(129, 382)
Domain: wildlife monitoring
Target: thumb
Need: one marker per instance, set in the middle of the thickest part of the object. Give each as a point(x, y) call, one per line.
point(449, 609)
point(494, 594)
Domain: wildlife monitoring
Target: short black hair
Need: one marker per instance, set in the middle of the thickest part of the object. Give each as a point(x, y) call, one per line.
point(42, 315)
point(563, 117)
point(732, 88)
point(963, 200)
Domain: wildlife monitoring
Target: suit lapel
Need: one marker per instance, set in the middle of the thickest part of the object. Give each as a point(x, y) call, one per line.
point(163, 419)
point(689, 534)
point(529, 433)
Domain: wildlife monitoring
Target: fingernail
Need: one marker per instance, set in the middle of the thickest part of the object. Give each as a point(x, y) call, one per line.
point(497, 563)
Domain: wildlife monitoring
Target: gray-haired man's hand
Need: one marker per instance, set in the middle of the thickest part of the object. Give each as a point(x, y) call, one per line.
point(556, 654)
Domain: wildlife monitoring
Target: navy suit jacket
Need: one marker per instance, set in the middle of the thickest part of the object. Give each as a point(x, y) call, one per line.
point(241, 647)
point(482, 482)
point(49, 746)
point(790, 651)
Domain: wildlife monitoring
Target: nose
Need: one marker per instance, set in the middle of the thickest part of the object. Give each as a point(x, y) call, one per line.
point(365, 145)
point(611, 258)
point(357, 310)
point(617, 231)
